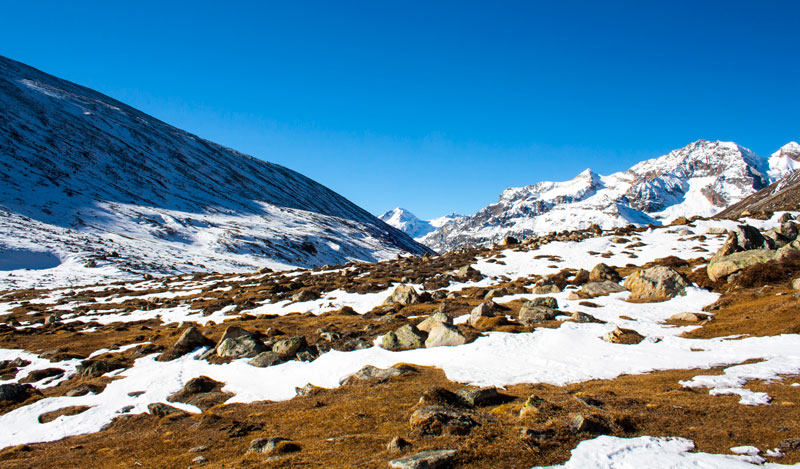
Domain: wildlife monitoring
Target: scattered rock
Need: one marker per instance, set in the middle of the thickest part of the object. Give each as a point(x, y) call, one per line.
point(198, 449)
point(545, 287)
point(595, 289)
point(82, 390)
point(445, 335)
point(199, 460)
point(480, 396)
point(404, 338)
point(623, 336)
point(595, 424)
point(581, 317)
point(721, 267)
point(483, 310)
point(602, 272)
point(433, 320)
point(581, 277)
point(546, 301)
point(789, 444)
point(13, 392)
point(190, 340)
point(467, 273)
point(397, 445)
point(305, 295)
point(307, 390)
point(530, 313)
point(438, 420)
point(658, 283)
point(243, 346)
point(431, 459)
point(289, 347)
point(685, 317)
point(369, 372)
point(496, 293)
point(265, 359)
point(273, 446)
point(403, 295)
point(160, 409)
point(38, 375)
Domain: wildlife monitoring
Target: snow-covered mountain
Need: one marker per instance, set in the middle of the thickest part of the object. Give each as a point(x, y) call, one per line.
point(409, 224)
point(92, 189)
point(701, 178)
point(784, 161)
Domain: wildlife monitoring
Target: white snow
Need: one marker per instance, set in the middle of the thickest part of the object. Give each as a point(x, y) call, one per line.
point(609, 452)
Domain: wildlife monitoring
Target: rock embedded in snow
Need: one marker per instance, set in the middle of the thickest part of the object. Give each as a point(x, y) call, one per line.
point(445, 335)
point(595, 289)
point(623, 336)
point(431, 459)
point(530, 313)
point(159, 409)
point(658, 283)
point(369, 372)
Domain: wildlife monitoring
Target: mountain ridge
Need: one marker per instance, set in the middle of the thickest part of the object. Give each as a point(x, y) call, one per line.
point(111, 187)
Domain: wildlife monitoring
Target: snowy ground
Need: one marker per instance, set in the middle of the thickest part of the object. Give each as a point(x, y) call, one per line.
point(573, 352)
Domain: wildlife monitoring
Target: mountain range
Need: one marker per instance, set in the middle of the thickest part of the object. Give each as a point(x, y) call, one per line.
point(702, 178)
point(92, 189)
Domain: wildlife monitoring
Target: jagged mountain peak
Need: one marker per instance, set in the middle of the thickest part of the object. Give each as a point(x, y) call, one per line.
point(700, 178)
point(784, 161)
point(791, 149)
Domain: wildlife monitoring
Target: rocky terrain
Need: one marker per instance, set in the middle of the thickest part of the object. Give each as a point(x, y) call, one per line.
point(699, 179)
point(674, 344)
point(93, 190)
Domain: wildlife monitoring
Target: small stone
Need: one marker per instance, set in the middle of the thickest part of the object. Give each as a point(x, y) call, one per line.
point(190, 340)
point(686, 317)
point(595, 289)
point(789, 444)
point(305, 295)
point(546, 301)
point(581, 317)
point(198, 449)
point(240, 347)
point(369, 372)
point(199, 460)
point(14, 392)
point(431, 459)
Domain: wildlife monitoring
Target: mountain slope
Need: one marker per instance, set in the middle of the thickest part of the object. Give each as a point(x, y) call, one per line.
point(783, 195)
point(83, 176)
point(700, 179)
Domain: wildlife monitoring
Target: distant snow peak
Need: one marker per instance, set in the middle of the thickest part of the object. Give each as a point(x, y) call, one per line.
point(784, 161)
point(701, 178)
point(407, 222)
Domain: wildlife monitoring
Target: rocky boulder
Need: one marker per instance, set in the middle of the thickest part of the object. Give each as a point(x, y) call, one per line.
point(240, 347)
point(265, 359)
point(403, 295)
point(432, 321)
point(404, 338)
point(431, 459)
point(742, 238)
point(530, 313)
point(445, 335)
point(602, 272)
point(438, 420)
point(595, 289)
point(483, 310)
point(657, 283)
point(721, 267)
point(190, 340)
point(623, 336)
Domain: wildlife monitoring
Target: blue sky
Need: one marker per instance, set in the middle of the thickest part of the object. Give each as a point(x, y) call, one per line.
point(436, 107)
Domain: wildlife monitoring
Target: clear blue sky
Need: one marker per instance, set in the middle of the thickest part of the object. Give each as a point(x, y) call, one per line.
point(434, 107)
